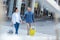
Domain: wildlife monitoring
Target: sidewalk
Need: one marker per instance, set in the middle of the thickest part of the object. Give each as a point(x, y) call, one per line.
point(22, 35)
point(44, 32)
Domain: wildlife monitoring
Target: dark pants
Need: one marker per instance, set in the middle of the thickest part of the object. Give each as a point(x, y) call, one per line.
point(16, 27)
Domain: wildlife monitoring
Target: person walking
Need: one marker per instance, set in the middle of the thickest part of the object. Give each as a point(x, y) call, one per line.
point(29, 18)
point(16, 19)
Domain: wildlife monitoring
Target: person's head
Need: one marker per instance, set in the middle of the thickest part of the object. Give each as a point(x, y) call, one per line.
point(29, 9)
point(16, 9)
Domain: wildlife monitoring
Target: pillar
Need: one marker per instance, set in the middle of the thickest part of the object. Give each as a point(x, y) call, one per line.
point(41, 11)
point(33, 5)
point(11, 3)
point(18, 5)
point(42, 8)
point(57, 29)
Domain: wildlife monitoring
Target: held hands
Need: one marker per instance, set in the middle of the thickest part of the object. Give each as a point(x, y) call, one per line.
point(22, 21)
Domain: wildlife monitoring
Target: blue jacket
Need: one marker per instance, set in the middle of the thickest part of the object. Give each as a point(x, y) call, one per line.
point(29, 17)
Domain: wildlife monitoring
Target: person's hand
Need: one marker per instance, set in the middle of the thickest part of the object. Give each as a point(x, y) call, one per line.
point(33, 21)
point(21, 21)
point(11, 24)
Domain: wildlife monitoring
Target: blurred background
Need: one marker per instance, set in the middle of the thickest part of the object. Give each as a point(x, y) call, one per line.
point(46, 15)
point(43, 9)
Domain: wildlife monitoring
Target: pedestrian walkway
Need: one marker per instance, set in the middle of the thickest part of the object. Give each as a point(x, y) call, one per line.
point(22, 35)
point(44, 32)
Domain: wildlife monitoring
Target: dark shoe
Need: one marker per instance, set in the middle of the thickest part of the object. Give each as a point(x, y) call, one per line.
point(16, 32)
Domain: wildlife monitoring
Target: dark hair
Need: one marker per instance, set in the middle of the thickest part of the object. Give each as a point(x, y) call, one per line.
point(15, 9)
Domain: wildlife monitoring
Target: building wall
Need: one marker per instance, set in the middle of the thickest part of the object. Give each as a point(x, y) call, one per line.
point(2, 14)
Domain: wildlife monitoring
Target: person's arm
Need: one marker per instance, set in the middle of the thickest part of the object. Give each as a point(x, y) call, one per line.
point(20, 18)
point(33, 17)
point(25, 15)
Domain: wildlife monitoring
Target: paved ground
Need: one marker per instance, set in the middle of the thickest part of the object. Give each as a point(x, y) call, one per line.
point(45, 30)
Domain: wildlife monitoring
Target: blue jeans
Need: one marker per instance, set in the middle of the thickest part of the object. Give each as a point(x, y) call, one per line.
point(16, 27)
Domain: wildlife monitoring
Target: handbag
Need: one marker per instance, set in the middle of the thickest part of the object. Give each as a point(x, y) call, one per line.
point(32, 31)
point(10, 31)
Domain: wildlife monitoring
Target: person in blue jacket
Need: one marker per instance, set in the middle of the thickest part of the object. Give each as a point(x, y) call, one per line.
point(29, 18)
